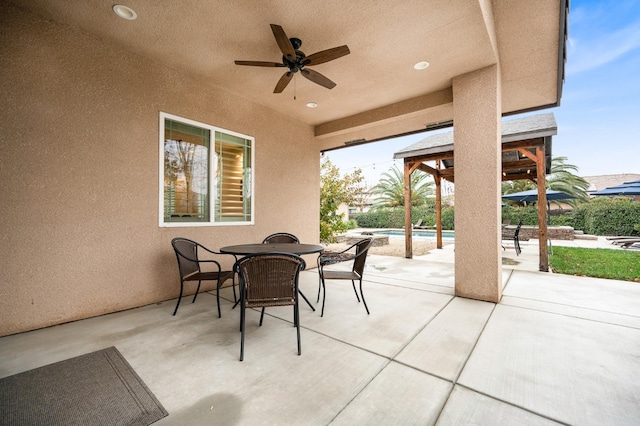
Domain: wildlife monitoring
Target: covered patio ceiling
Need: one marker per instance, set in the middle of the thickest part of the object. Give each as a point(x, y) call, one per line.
point(376, 83)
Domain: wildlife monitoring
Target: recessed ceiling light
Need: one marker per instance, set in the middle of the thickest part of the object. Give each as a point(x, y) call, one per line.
point(125, 12)
point(421, 65)
point(311, 105)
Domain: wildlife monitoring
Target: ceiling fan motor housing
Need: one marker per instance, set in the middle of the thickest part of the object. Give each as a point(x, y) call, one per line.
point(297, 65)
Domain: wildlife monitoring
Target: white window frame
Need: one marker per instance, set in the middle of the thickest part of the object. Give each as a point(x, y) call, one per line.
point(212, 195)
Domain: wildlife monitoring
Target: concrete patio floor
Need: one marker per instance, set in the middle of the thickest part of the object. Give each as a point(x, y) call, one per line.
point(557, 349)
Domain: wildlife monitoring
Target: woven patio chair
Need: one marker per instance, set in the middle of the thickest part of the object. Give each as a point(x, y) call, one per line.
point(281, 237)
point(356, 253)
point(187, 253)
point(515, 236)
point(267, 280)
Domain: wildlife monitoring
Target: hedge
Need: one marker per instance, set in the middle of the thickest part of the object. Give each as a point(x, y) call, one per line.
point(599, 216)
point(612, 216)
point(394, 217)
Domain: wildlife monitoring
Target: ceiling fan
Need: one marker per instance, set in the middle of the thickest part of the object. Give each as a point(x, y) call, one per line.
point(296, 60)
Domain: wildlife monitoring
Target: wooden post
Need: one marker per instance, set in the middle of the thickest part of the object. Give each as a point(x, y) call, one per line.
point(408, 224)
point(438, 182)
point(542, 209)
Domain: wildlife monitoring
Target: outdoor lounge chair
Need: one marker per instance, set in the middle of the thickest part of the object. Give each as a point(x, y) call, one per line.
point(515, 236)
point(187, 252)
point(622, 240)
point(269, 279)
point(281, 237)
point(356, 253)
point(425, 227)
point(627, 242)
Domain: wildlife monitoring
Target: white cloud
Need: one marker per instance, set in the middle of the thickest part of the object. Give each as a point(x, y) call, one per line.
point(601, 33)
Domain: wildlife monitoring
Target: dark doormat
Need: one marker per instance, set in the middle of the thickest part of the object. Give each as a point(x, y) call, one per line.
point(99, 388)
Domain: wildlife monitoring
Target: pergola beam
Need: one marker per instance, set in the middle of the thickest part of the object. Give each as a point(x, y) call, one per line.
point(519, 165)
point(520, 176)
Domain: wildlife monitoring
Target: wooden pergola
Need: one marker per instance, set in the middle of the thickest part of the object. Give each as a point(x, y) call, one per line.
point(526, 154)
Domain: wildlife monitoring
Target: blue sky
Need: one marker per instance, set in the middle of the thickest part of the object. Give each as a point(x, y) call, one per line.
point(599, 114)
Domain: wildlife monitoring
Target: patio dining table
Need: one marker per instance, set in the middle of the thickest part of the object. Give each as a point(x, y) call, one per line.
point(293, 248)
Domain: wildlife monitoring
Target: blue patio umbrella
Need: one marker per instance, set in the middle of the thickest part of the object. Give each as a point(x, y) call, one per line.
point(625, 189)
point(532, 195)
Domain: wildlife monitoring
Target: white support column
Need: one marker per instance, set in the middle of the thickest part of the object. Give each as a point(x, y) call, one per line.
point(478, 168)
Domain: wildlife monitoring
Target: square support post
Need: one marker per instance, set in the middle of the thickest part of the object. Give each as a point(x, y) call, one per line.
point(478, 165)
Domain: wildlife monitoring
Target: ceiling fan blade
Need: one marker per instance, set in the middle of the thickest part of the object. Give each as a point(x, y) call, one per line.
point(326, 55)
point(282, 83)
point(318, 78)
point(260, 64)
point(283, 42)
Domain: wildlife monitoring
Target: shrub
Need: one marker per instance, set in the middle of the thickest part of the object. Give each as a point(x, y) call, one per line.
point(514, 214)
point(447, 218)
point(599, 216)
point(351, 224)
point(612, 216)
point(394, 217)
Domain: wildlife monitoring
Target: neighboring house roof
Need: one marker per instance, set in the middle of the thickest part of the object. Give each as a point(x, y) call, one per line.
point(599, 182)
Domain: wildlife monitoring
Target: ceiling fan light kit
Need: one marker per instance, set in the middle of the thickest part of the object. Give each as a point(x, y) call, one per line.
point(296, 61)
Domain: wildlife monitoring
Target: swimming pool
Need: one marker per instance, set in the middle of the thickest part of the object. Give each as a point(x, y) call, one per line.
point(448, 235)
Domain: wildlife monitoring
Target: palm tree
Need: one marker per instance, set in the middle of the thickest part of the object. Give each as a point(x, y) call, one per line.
point(562, 178)
point(513, 186)
point(390, 188)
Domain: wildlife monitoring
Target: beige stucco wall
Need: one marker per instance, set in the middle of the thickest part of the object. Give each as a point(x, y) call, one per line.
point(477, 159)
point(79, 173)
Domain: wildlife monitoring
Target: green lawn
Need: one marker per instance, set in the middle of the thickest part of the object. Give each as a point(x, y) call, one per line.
point(600, 263)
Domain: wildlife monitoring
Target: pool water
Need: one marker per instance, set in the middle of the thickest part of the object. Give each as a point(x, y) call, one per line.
point(417, 234)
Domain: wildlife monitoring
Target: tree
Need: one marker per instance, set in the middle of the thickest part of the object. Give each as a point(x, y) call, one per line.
point(184, 162)
point(563, 179)
point(390, 188)
point(513, 186)
point(334, 191)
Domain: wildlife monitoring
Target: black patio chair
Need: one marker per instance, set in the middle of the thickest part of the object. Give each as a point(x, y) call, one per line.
point(281, 237)
point(357, 253)
point(515, 236)
point(187, 253)
point(266, 280)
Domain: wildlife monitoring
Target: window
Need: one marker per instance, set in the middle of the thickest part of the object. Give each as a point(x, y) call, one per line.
point(206, 174)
